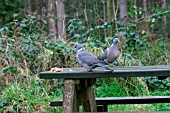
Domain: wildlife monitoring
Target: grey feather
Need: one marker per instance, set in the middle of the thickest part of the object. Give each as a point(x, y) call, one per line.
point(111, 53)
point(104, 55)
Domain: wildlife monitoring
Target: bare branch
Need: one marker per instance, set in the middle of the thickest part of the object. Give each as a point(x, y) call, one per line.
point(153, 15)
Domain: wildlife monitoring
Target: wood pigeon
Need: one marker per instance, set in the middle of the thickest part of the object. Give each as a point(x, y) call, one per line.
point(88, 60)
point(111, 53)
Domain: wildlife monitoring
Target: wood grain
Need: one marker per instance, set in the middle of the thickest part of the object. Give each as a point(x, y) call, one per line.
point(132, 71)
point(123, 100)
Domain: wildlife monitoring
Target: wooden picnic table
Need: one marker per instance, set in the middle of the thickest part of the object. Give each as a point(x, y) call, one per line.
point(78, 85)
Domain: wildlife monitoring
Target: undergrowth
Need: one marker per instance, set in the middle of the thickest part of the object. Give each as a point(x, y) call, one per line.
point(27, 50)
point(28, 94)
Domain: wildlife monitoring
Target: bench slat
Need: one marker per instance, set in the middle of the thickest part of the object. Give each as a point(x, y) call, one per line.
point(134, 100)
point(123, 100)
point(146, 112)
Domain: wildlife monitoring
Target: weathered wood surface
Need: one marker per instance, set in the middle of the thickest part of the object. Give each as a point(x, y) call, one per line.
point(133, 100)
point(79, 92)
point(123, 100)
point(143, 112)
point(68, 97)
point(86, 95)
point(132, 71)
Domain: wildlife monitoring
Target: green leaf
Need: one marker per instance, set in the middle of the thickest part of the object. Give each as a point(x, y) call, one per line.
point(5, 71)
point(23, 25)
point(143, 32)
point(44, 21)
point(13, 69)
point(140, 12)
point(2, 103)
point(2, 29)
point(105, 24)
point(32, 17)
point(153, 19)
point(134, 7)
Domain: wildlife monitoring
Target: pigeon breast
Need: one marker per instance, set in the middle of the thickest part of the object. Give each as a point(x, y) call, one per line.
point(112, 54)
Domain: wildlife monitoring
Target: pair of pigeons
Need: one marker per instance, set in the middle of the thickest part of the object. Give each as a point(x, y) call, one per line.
point(89, 61)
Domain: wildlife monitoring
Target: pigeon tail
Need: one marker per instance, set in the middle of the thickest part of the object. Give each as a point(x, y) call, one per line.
point(104, 66)
point(103, 62)
point(108, 68)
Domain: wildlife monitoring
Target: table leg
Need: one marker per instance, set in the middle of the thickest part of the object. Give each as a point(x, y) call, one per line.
point(76, 102)
point(92, 100)
point(83, 93)
point(87, 95)
point(68, 97)
point(90, 104)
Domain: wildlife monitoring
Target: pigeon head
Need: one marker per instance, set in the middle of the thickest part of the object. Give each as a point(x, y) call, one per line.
point(79, 46)
point(115, 41)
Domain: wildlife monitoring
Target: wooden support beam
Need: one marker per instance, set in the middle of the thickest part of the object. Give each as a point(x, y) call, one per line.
point(68, 97)
point(77, 92)
point(87, 95)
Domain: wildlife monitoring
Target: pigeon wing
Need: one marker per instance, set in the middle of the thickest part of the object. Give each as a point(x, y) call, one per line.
point(104, 55)
point(87, 58)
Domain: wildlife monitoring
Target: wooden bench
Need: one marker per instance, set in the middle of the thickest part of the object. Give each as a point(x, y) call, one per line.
point(103, 102)
point(78, 86)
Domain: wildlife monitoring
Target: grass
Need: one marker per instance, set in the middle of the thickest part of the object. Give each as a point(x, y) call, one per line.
point(139, 107)
point(29, 95)
point(118, 87)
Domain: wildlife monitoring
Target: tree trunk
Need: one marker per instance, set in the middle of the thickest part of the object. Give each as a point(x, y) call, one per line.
point(136, 16)
point(61, 19)
point(85, 14)
point(123, 11)
point(36, 7)
point(51, 17)
point(145, 7)
point(104, 14)
point(163, 5)
point(28, 8)
point(115, 15)
point(108, 9)
point(145, 23)
point(109, 33)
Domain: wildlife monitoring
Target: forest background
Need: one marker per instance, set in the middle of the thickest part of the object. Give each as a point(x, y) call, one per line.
point(36, 35)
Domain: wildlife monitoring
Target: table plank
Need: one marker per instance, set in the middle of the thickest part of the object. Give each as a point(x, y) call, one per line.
point(132, 71)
